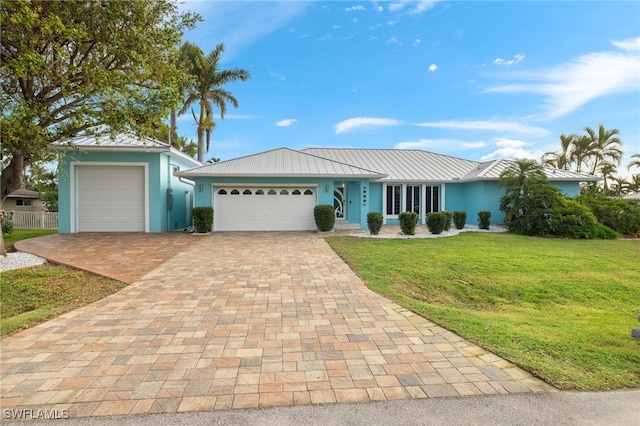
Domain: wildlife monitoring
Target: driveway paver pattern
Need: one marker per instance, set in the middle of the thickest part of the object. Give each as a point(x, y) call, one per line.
point(243, 320)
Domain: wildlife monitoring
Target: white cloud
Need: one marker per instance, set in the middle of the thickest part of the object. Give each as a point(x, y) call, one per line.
point(568, 86)
point(511, 148)
point(286, 123)
point(358, 8)
point(393, 40)
point(417, 42)
point(364, 122)
point(395, 7)
point(423, 5)
point(516, 59)
point(277, 75)
point(500, 126)
point(433, 67)
point(447, 144)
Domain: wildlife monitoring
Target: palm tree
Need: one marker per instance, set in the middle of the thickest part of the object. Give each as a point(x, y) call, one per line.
point(580, 152)
point(620, 186)
point(607, 170)
point(186, 54)
point(634, 183)
point(520, 172)
point(634, 163)
point(604, 145)
point(208, 92)
point(561, 160)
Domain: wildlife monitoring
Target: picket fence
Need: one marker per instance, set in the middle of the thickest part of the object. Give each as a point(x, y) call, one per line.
point(33, 220)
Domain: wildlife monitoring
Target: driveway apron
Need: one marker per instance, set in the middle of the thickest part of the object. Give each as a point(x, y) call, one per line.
point(244, 320)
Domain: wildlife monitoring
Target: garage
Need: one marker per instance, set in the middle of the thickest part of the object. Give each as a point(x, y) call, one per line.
point(111, 198)
point(264, 208)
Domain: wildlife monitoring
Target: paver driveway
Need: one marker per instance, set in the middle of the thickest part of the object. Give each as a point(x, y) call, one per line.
point(242, 320)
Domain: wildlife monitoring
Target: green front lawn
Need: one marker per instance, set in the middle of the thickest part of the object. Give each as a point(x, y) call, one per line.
point(23, 234)
point(561, 309)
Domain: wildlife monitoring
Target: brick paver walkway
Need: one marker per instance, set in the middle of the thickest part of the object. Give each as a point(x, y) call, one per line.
point(239, 321)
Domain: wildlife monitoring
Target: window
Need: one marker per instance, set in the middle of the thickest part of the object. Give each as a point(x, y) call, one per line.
point(222, 192)
point(246, 192)
point(284, 192)
point(308, 192)
point(432, 199)
point(295, 192)
point(23, 203)
point(259, 192)
point(235, 192)
point(412, 198)
point(272, 192)
point(393, 200)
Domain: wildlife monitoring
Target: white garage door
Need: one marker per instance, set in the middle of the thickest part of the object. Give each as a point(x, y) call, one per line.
point(264, 209)
point(111, 199)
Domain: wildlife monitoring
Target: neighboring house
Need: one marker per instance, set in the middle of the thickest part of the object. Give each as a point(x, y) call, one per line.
point(633, 197)
point(23, 200)
point(277, 190)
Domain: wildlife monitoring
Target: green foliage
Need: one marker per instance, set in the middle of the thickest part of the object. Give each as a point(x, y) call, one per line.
point(408, 222)
point(374, 222)
point(574, 220)
point(69, 67)
point(448, 219)
point(7, 226)
point(325, 217)
point(621, 215)
point(203, 219)
point(484, 219)
point(436, 222)
point(459, 219)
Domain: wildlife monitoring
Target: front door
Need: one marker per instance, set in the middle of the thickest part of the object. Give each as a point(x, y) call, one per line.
point(340, 202)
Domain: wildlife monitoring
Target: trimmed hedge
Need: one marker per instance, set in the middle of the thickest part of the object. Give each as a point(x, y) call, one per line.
point(459, 219)
point(408, 222)
point(436, 221)
point(374, 222)
point(325, 217)
point(203, 219)
point(484, 219)
point(449, 218)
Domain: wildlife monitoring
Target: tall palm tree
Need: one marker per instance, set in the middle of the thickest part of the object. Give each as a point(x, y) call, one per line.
point(607, 170)
point(620, 186)
point(561, 160)
point(208, 92)
point(604, 145)
point(634, 163)
point(185, 58)
point(521, 171)
point(580, 152)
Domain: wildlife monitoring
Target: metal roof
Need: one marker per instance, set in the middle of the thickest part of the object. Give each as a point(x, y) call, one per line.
point(24, 193)
point(401, 165)
point(124, 142)
point(282, 162)
point(491, 170)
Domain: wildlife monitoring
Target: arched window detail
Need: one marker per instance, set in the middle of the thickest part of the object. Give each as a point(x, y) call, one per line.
point(222, 192)
point(235, 192)
point(246, 192)
point(259, 192)
point(272, 192)
point(295, 192)
point(284, 192)
point(308, 192)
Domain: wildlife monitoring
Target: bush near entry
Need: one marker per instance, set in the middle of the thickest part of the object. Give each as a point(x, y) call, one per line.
point(325, 217)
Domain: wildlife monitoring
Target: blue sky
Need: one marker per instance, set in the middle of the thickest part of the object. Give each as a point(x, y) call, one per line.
point(476, 80)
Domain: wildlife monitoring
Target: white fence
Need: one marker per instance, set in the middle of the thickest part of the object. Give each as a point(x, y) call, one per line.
point(33, 220)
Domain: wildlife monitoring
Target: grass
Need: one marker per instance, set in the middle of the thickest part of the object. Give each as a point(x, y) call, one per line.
point(29, 296)
point(561, 309)
point(23, 234)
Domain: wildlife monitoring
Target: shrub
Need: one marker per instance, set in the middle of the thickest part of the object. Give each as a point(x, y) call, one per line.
point(7, 225)
point(484, 219)
point(448, 219)
point(459, 219)
point(408, 222)
point(325, 217)
point(203, 219)
point(436, 222)
point(374, 222)
point(620, 215)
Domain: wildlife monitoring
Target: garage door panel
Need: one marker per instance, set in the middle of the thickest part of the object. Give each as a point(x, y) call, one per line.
point(281, 211)
point(111, 198)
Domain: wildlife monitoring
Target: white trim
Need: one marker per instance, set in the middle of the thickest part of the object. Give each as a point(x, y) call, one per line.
point(263, 185)
point(73, 216)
